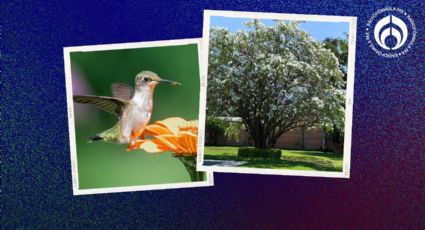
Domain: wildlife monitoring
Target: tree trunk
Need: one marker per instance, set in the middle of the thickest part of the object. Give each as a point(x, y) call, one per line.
point(264, 139)
point(325, 140)
point(214, 139)
point(260, 138)
point(302, 141)
point(271, 142)
point(260, 141)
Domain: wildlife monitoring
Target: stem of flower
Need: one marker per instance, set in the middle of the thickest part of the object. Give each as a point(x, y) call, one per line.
point(190, 165)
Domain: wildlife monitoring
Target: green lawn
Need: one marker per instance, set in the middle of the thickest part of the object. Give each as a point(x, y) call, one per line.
point(291, 159)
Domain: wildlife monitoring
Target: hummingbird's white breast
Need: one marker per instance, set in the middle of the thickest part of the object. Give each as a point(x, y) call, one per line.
point(137, 115)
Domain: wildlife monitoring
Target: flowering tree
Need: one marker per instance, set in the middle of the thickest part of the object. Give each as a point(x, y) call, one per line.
point(275, 78)
point(339, 47)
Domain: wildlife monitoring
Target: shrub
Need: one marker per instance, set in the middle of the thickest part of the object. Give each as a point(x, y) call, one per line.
point(214, 128)
point(260, 153)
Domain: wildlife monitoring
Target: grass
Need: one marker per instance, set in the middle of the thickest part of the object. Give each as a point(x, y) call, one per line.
point(291, 159)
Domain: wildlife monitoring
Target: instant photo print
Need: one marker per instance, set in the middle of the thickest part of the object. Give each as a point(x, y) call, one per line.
point(277, 92)
point(133, 116)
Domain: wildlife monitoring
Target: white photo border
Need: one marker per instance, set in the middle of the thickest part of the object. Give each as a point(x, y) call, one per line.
point(348, 101)
point(71, 123)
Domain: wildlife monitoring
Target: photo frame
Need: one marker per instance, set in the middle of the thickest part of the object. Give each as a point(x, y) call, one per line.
point(348, 110)
point(169, 50)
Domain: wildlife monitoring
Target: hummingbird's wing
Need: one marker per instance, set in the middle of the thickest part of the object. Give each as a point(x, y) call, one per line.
point(122, 91)
point(109, 104)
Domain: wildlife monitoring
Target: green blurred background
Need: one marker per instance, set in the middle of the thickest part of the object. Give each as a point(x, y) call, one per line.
point(102, 164)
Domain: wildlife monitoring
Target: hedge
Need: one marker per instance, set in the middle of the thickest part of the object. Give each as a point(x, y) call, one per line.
point(260, 153)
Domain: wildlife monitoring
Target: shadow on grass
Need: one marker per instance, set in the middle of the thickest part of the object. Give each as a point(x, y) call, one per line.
point(330, 155)
point(283, 162)
point(290, 162)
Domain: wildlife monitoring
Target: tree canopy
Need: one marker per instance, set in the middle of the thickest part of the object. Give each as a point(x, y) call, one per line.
point(275, 78)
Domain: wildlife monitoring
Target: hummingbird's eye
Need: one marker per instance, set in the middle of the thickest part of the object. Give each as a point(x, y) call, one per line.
point(146, 79)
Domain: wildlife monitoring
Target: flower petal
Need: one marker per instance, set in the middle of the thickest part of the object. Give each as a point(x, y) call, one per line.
point(151, 147)
point(164, 146)
point(189, 126)
point(155, 130)
point(172, 124)
point(194, 144)
point(191, 142)
point(135, 145)
point(173, 141)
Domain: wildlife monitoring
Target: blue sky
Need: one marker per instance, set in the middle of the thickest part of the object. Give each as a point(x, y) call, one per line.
point(318, 30)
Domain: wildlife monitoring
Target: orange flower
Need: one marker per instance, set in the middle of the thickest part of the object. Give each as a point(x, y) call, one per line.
point(173, 134)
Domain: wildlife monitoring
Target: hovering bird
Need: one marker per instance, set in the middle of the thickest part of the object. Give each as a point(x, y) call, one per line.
point(133, 108)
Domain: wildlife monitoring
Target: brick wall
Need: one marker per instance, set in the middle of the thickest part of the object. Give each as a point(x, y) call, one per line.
point(313, 140)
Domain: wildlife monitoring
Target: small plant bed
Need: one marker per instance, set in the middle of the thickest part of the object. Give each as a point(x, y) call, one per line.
point(289, 159)
point(259, 153)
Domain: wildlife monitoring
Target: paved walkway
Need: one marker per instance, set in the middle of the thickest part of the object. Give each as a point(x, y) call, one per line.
point(223, 163)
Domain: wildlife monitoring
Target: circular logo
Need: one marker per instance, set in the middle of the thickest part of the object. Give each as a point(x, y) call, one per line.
point(390, 32)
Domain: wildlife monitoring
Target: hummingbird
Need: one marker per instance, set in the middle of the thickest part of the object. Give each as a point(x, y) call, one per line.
point(133, 107)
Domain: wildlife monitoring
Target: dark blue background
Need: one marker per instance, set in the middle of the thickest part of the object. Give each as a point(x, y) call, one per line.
point(387, 184)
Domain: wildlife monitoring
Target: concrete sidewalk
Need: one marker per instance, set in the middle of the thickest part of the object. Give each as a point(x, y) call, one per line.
point(223, 163)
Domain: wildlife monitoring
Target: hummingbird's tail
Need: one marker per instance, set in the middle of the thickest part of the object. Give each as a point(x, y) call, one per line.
point(109, 135)
point(95, 138)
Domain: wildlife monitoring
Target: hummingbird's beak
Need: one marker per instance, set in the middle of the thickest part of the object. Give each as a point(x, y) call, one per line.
point(169, 82)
